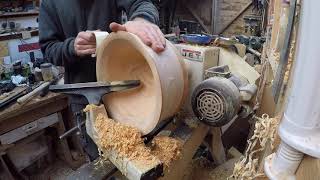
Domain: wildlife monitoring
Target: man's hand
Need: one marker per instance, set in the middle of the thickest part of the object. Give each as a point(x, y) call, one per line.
point(149, 33)
point(85, 44)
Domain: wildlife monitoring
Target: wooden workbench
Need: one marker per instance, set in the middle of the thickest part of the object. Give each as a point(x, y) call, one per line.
point(16, 116)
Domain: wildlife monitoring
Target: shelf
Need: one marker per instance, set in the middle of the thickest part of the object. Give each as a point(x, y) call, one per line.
point(4, 37)
point(18, 14)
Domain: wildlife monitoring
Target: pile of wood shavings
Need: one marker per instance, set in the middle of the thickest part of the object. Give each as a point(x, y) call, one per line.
point(265, 131)
point(166, 149)
point(125, 140)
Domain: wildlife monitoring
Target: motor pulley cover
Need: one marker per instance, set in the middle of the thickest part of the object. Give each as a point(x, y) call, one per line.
point(216, 101)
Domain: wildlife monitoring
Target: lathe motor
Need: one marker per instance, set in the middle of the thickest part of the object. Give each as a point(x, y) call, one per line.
point(222, 96)
point(220, 89)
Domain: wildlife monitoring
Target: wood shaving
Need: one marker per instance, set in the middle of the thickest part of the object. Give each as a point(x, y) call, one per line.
point(290, 60)
point(166, 149)
point(127, 142)
point(90, 107)
point(5, 95)
point(265, 131)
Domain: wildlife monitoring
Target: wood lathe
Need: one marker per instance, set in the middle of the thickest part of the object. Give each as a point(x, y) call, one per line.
point(93, 92)
point(179, 89)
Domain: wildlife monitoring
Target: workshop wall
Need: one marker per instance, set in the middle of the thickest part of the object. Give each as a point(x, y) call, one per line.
point(192, 10)
point(23, 22)
point(237, 27)
point(24, 56)
point(228, 10)
point(10, 47)
point(24, 15)
point(10, 50)
point(225, 14)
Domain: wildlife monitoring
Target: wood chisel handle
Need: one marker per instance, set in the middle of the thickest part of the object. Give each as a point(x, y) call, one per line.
point(33, 93)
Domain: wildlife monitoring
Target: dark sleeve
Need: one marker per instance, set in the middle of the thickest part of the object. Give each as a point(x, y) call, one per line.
point(139, 8)
point(55, 47)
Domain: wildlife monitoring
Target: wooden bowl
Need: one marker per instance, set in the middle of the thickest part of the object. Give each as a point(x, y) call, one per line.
point(163, 76)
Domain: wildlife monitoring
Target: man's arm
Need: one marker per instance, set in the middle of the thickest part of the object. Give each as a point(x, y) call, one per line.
point(139, 8)
point(143, 17)
point(55, 47)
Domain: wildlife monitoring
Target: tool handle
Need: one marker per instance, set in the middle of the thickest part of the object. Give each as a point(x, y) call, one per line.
point(72, 130)
point(33, 93)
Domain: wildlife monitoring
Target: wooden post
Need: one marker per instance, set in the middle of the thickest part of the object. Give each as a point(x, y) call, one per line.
point(75, 140)
point(6, 169)
point(309, 169)
point(214, 17)
point(63, 144)
point(192, 139)
point(276, 23)
point(216, 147)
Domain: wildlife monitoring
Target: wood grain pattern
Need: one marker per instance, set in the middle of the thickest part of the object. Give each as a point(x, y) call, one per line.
point(123, 56)
point(309, 169)
point(17, 115)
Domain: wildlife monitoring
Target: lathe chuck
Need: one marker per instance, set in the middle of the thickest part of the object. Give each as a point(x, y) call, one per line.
point(216, 101)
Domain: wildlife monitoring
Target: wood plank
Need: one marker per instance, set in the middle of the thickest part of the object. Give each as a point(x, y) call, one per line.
point(98, 169)
point(216, 146)
point(18, 35)
point(25, 154)
point(192, 139)
point(309, 169)
point(213, 16)
point(31, 112)
point(276, 23)
point(28, 129)
point(284, 55)
point(18, 14)
point(69, 123)
point(5, 167)
point(194, 14)
point(37, 102)
point(235, 18)
point(63, 145)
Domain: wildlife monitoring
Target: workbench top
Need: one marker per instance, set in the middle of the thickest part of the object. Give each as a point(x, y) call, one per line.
point(16, 109)
point(16, 115)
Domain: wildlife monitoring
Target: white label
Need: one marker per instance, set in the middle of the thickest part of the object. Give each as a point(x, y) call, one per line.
point(193, 55)
point(26, 34)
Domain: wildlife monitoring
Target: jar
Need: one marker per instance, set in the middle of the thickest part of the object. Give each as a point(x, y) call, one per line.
point(46, 70)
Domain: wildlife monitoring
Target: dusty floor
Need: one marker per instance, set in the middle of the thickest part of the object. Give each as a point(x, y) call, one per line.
point(57, 171)
point(204, 170)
